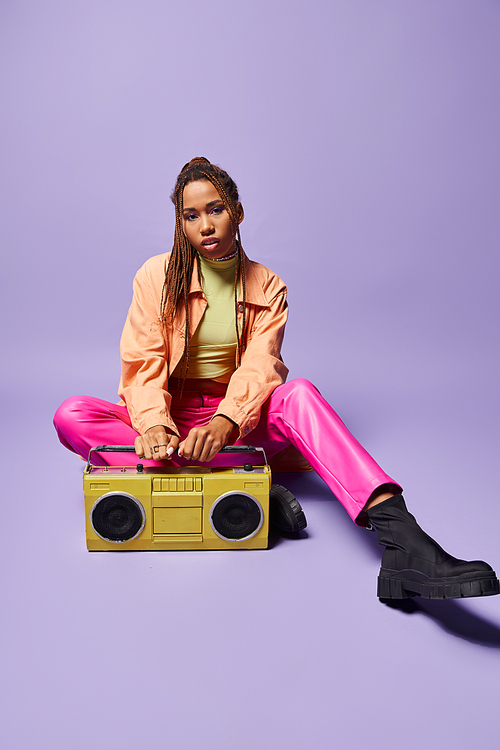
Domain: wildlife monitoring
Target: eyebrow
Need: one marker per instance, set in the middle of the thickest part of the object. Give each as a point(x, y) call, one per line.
point(209, 205)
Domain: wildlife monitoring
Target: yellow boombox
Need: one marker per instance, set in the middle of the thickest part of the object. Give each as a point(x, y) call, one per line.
point(174, 508)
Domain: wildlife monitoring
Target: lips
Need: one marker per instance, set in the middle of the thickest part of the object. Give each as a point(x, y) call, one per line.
point(211, 243)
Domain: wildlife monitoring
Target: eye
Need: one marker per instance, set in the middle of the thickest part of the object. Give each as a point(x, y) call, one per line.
point(217, 210)
point(189, 217)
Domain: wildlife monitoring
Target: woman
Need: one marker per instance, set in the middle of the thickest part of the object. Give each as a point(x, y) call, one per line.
point(201, 367)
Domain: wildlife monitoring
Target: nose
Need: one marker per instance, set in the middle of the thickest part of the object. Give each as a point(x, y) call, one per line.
point(207, 226)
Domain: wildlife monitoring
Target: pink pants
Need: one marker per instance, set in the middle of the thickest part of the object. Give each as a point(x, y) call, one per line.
point(295, 413)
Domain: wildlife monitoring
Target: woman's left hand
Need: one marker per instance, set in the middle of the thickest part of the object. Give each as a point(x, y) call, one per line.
point(203, 443)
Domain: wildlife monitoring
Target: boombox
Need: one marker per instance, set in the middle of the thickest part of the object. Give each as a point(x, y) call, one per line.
point(174, 508)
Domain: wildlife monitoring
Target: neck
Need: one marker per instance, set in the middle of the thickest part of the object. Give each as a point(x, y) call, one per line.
point(226, 257)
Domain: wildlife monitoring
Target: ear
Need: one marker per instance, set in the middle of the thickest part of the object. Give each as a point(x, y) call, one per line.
point(240, 214)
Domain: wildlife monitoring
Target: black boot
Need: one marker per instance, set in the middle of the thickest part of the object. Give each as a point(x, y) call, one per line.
point(413, 563)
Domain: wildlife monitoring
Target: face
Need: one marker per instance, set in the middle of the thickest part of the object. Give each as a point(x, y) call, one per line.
point(206, 221)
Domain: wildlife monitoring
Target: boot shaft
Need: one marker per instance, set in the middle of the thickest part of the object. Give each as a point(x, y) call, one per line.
point(398, 529)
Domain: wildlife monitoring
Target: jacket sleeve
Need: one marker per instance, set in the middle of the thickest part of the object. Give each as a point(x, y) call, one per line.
point(144, 357)
point(262, 368)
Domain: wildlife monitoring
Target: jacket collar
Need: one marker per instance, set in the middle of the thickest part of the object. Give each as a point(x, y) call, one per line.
point(254, 292)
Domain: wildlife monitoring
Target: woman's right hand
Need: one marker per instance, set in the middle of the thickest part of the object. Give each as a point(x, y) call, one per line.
point(157, 438)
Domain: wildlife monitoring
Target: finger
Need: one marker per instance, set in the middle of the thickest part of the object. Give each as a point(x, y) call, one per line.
point(139, 448)
point(161, 451)
point(167, 446)
point(187, 445)
point(159, 448)
point(148, 452)
point(213, 452)
point(173, 444)
point(151, 451)
point(199, 445)
point(208, 450)
point(197, 448)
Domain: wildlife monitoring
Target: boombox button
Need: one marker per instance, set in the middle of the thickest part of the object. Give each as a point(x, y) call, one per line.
point(248, 467)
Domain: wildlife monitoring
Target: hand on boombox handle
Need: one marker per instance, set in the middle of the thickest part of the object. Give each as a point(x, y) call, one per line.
point(131, 449)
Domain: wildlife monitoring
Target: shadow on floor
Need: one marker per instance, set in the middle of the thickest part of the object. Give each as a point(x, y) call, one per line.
point(452, 617)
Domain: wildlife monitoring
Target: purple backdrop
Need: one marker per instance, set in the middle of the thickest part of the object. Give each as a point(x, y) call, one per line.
point(364, 138)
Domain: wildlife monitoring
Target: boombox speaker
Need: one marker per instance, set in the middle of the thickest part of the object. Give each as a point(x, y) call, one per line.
point(149, 508)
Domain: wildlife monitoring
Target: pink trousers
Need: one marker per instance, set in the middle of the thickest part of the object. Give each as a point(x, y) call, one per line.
point(295, 413)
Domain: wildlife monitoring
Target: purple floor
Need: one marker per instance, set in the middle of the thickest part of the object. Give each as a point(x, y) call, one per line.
point(364, 139)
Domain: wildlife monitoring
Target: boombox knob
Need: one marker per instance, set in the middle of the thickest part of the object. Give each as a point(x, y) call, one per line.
point(140, 468)
point(247, 467)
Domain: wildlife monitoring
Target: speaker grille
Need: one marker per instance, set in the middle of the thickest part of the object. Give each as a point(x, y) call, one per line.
point(117, 517)
point(236, 516)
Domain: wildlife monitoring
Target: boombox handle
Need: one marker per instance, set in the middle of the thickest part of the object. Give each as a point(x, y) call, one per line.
point(131, 449)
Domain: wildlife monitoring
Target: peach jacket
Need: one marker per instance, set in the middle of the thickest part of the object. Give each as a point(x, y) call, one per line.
point(149, 354)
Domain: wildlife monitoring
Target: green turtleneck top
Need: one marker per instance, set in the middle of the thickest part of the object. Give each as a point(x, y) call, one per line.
point(212, 351)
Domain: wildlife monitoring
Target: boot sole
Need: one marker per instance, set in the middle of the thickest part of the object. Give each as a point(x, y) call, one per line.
point(402, 584)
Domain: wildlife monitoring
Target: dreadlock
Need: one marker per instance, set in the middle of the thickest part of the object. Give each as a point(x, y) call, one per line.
point(180, 267)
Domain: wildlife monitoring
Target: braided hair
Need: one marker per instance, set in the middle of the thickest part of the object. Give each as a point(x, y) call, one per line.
point(180, 267)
